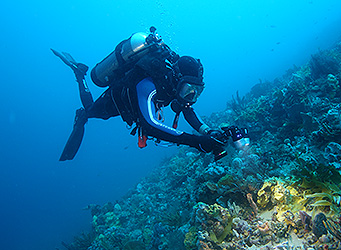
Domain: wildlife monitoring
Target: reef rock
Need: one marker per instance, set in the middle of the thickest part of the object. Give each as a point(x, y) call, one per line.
point(318, 226)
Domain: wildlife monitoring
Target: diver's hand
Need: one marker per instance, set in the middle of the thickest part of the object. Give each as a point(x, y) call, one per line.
point(204, 143)
point(208, 143)
point(217, 134)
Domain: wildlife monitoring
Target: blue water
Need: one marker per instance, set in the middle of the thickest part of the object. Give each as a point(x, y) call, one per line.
point(239, 42)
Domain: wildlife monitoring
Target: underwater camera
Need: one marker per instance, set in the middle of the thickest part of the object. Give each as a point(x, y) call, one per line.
point(239, 137)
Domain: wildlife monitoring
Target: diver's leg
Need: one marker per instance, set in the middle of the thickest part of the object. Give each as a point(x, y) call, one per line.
point(81, 118)
point(80, 70)
point(84, 92)
point(103, 108)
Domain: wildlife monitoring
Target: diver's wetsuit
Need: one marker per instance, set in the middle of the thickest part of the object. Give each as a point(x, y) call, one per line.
point(104, 108)
point(143, 98)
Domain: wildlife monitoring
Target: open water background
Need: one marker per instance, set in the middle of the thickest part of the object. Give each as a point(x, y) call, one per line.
point(239, 42)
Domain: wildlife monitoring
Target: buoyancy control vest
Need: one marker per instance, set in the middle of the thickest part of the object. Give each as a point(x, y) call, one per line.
point(134, 59)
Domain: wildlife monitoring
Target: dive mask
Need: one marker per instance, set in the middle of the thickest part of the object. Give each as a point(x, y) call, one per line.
point(189, 89)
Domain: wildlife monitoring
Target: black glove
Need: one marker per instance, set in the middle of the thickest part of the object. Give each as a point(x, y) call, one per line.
point(203, 143)
point(208, 143)
point(217, 134)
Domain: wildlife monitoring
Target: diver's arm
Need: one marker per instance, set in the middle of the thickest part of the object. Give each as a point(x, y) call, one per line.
point(145, 93)
point(194, 120)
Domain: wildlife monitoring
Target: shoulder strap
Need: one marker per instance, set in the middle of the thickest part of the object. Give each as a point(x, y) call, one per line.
point(155, 65)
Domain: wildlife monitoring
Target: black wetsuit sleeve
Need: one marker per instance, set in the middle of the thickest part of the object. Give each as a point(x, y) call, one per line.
point(194, 120)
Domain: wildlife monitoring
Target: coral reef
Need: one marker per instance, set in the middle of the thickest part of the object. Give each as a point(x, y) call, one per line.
point(81, 242)
point(282, 192)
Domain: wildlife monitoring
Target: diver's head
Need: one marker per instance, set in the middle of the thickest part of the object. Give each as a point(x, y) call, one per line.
point(190, 79)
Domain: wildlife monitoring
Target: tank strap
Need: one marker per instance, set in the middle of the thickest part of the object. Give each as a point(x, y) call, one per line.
point(118, 50)
point(155, 66)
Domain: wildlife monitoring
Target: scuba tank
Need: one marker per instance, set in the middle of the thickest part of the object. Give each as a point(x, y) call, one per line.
point(125, 55)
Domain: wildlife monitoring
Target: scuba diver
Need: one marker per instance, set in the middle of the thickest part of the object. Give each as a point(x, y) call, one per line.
point(144, 75)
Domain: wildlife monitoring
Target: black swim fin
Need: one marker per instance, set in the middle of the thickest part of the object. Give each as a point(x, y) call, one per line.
point(76, 137)
point(79, 69)
point(66, 58)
